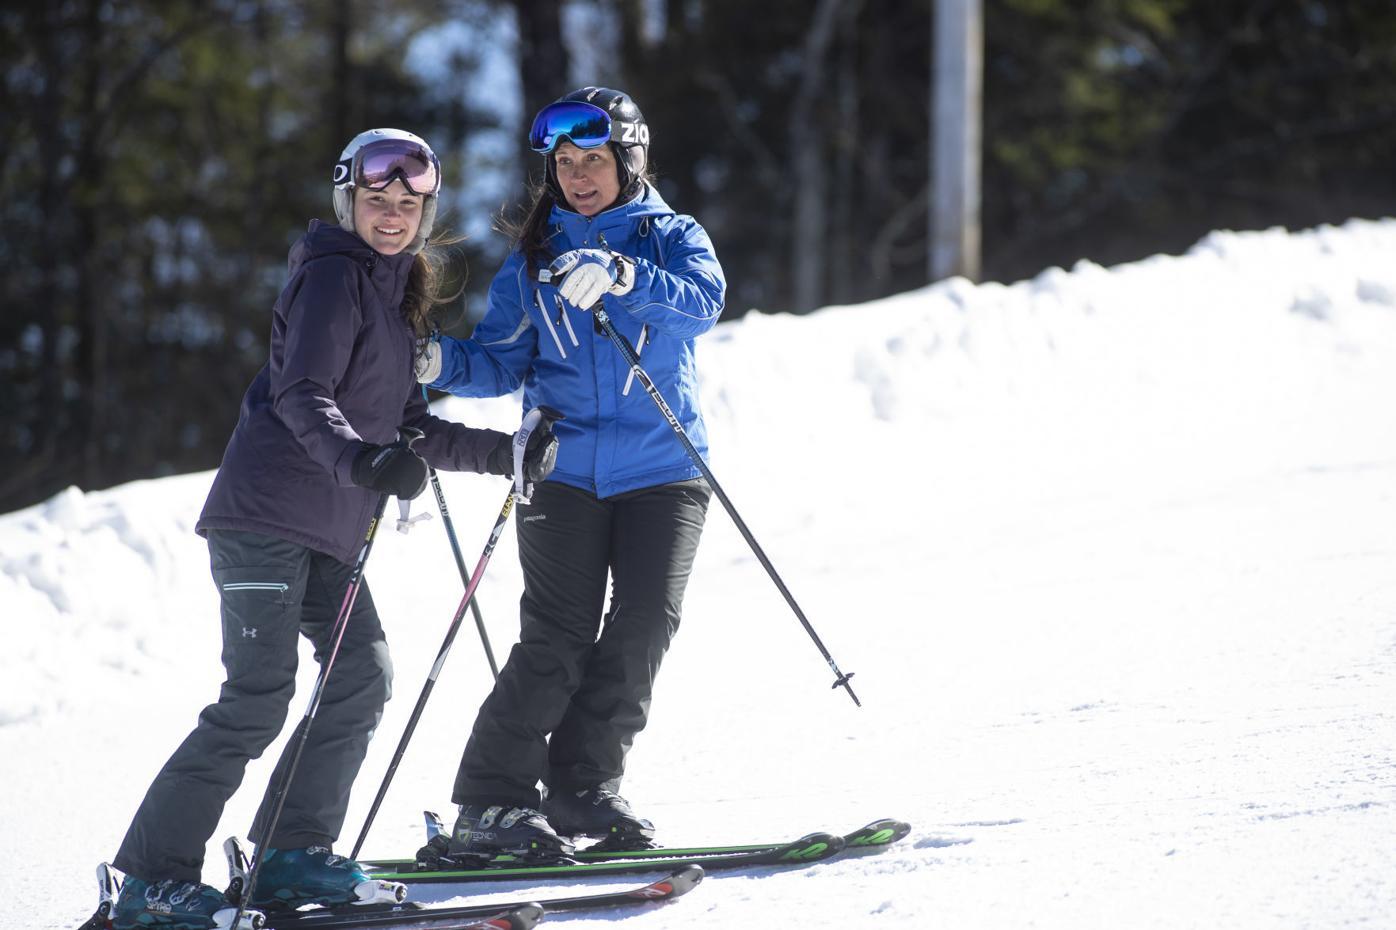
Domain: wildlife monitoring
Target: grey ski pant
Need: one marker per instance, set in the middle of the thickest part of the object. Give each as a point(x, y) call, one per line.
point(272, 591)
point(569, 702)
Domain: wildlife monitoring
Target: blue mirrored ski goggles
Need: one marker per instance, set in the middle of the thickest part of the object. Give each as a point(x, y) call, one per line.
point(583, 124)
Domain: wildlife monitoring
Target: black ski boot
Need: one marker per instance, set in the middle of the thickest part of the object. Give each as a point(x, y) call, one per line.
point(598, 812)
point(484, 832)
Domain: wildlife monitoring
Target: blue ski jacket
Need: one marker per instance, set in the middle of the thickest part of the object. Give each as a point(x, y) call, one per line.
point(614, 438)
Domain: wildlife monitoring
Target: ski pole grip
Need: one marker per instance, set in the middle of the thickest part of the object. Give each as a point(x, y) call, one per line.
point(406, 435)
point(537, 419)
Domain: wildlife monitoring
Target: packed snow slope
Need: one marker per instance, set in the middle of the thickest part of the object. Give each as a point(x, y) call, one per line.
point(1112, 553)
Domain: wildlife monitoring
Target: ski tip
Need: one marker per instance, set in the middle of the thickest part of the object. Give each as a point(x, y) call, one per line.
point(685, 879)
point(809, 848)
point(676, 884)
point(521, 918)
point(878, 833)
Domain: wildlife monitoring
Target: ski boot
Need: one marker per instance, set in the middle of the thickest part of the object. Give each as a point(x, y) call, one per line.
point(290, 878)
point(484, 832)
point(175, 905)
point(597, 812)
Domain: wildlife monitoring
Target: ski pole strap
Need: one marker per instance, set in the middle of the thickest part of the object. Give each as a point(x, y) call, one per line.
point(539, 418)
point(523, 489)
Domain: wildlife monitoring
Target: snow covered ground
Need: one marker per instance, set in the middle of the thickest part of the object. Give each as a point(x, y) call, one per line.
point(1111, 551)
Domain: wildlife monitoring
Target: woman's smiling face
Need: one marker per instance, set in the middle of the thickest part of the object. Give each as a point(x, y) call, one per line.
point(387, 220)
point(587, 177)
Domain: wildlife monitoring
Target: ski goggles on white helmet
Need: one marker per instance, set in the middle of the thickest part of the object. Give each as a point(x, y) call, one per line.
point(376, 165)
point(583, 124)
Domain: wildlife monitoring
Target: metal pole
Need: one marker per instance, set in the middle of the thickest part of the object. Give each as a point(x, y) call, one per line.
point(957, 92)
point(464, 577)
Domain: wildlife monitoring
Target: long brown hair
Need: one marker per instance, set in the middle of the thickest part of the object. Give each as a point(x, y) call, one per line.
point(530, 233)
point(423, 294)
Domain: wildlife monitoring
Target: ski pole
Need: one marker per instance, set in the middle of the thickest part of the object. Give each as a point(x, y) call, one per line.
point(406, 437)
point(538, 418)
point(464, 576)
point(603, 319)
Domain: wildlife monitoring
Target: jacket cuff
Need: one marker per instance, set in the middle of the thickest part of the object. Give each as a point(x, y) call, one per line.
point(344, 465)
point(625, 276)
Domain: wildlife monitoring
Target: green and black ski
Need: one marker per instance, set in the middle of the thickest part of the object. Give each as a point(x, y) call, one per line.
point(814, 847)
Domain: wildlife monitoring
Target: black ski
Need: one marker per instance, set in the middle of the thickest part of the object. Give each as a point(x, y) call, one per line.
point(504, 915)
point(370, 917)
point(523, 917)
point(816, 847)
point(496, 917)
point(812, 848)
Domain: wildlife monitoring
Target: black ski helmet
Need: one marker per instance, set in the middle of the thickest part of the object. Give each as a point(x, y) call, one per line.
point(630, 140)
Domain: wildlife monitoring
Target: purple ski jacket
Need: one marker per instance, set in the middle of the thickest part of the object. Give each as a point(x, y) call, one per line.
point(339, 377)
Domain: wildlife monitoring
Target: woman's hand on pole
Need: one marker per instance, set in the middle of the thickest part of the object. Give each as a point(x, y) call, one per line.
point(586, 274)
point(392, 469)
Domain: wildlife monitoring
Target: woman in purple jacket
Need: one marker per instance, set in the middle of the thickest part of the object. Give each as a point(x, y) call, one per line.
point(314, 448)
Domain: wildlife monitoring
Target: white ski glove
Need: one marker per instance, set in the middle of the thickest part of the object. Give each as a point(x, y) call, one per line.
point(428, 362)
point(589, 273)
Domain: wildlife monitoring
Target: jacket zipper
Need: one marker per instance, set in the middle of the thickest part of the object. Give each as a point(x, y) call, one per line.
point(566, 320)
point(639, 347)
point(552, 330)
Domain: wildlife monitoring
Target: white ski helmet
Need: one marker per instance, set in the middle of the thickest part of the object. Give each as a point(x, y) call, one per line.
point(376, 158)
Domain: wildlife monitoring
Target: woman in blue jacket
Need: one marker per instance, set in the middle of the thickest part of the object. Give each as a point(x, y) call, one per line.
point(624, 499)
point(314, 448)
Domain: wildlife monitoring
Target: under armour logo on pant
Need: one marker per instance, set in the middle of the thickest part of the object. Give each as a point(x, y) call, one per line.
point(249, 632)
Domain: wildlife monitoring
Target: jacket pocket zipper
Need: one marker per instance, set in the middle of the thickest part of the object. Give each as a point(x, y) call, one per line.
point(552, 330)
point(565, 320)
point(639, 347)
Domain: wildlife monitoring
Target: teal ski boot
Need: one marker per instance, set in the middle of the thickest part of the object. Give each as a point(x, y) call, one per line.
point(290, 878)
point(177, 905)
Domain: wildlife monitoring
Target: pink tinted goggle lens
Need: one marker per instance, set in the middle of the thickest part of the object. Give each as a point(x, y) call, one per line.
point(380, 163)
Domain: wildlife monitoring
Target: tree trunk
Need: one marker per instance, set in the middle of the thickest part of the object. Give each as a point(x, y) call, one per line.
point(542, 67)
point(89, 296)
point(48, 419)
point(809, 184)
point(844, 233)
point(342, 108)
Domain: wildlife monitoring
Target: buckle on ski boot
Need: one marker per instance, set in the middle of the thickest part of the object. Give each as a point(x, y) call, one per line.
point(627, 837)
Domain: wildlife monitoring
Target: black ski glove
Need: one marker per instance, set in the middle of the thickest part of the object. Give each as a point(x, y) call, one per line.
point(392, 469)
point(540, 455)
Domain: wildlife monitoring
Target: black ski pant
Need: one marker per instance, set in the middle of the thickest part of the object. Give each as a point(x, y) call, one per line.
point(272, 591)
point(590, 692)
